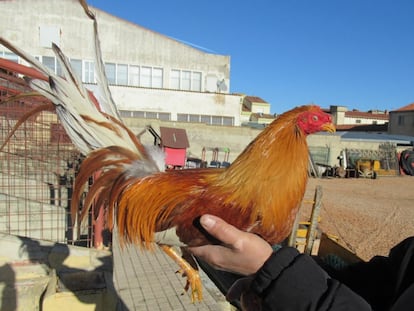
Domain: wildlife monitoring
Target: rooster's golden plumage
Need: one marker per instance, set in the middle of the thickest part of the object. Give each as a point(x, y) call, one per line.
point(260, 192)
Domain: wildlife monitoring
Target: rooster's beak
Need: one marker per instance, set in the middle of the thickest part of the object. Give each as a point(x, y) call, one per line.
point(329, 127)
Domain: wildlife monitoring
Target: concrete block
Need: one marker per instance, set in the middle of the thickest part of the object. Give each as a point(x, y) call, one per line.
point(22, 285)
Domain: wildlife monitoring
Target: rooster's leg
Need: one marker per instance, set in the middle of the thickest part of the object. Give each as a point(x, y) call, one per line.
point(193, 277)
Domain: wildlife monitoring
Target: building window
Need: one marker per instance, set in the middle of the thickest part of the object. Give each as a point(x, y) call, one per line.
point(138, 114)
point(194, 118)
point(185, 80)
point(110, 73)
point(181, 117)
point(205, 119)
point(150, 115)
point(51, 63)
point(145, 115)
point(122, 74)
point(145, 77)
point(9, 56)
point(88, 71)
point(358, 121)
point(175, 79)
point(125, 113)
point(116, 74)
point(401, 120)
point(163, 116)
point(216, 120)
point(157, 77)
point(229, 121)
point(196, 81)
point(134, 75)
point(151, 77)
point(77, 67)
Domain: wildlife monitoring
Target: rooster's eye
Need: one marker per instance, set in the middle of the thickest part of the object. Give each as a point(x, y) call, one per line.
point(315, 118)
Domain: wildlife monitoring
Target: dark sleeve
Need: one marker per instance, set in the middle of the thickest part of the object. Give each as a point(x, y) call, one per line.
point(293, 281)
point(382, 280)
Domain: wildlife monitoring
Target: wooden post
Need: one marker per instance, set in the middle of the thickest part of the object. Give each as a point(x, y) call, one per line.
point(312, 230)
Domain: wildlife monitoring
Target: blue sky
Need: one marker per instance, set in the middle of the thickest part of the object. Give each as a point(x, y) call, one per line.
point(355, 53)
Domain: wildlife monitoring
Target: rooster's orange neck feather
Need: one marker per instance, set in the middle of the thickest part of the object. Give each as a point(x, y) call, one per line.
point(277, 159)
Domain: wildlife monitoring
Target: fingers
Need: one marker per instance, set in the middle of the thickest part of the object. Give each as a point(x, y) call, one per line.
point(213, 254)
point(220, 229)
point(240, 252)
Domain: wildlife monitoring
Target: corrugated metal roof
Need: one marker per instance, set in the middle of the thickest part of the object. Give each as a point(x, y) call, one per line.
point(174, 137)
point(399, 139)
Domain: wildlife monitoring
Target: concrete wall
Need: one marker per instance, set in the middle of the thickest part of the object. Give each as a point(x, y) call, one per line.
point(174, 102)
point(237, 138)
point(401, 122)
point(201, 135)
point(39, 275)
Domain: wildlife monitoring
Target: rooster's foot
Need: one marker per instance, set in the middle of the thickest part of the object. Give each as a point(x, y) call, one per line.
point(186, 270)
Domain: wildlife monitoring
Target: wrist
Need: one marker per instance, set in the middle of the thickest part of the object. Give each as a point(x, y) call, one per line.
point(273, 267)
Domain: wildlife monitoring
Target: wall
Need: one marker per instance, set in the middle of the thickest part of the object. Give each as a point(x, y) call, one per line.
point(407, 128)
point(40, 275)
point(237, 138)
point(131, 98)
point(121, 41)
point(200, 135)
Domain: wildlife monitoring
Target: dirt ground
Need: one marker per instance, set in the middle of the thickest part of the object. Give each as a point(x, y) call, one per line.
point(369, 216)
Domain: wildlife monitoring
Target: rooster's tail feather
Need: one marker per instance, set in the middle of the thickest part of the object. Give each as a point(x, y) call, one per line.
point(111, 162)
point(106, 101)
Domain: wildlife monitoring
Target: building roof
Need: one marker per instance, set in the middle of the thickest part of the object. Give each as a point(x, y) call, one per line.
point(255, 99)
point(398, 139)
point(174, 137)
point(366, 115)
point(406, 108)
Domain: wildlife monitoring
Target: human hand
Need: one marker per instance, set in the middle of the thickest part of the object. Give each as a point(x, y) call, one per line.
point(241, 252)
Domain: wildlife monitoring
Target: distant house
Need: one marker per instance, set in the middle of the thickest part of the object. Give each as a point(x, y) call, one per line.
point(262, 118)
point(402, 121)
point(174, 142)
point(354, 120)
point(255, 112)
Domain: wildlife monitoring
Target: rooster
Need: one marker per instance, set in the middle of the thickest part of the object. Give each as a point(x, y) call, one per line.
point(260, 192)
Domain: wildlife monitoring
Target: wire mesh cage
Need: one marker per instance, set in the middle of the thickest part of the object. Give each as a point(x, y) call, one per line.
point(37, 167)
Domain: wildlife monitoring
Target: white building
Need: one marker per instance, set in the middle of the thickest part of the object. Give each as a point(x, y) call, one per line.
point(151, 75)
point(345, 119)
